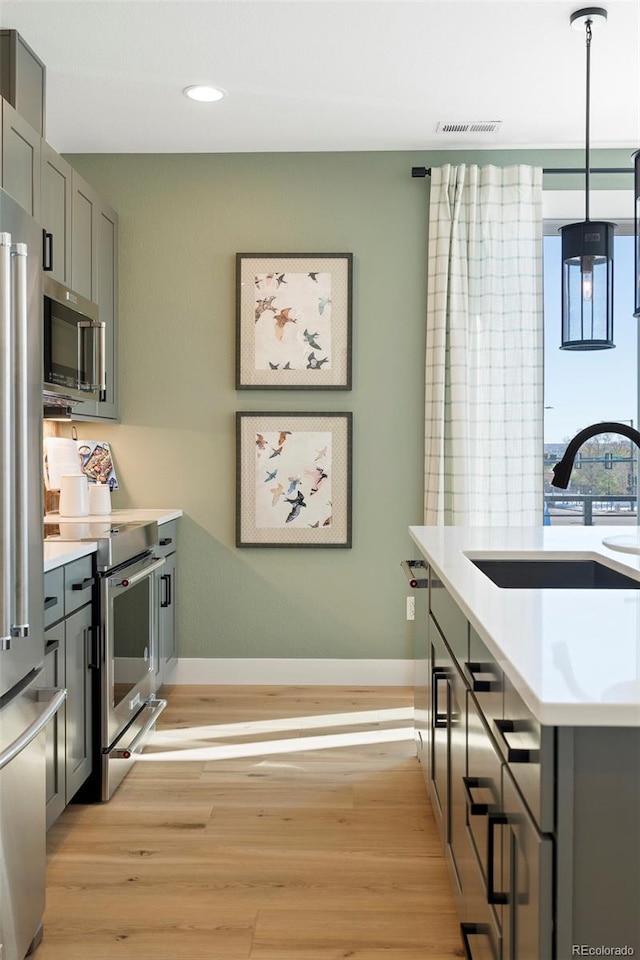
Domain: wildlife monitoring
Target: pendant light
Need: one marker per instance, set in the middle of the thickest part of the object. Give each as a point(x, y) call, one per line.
point(636, 228)
point(587, 248)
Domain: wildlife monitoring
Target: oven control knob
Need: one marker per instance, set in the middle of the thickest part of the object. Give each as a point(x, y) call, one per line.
point(124, 583)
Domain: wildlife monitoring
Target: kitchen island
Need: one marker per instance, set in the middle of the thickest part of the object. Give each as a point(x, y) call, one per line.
point(528, 729)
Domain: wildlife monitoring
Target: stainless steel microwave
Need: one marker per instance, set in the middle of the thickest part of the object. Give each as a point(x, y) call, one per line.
point(74, 344)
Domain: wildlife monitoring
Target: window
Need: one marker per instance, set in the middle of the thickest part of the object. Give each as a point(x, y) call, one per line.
point(581, 388)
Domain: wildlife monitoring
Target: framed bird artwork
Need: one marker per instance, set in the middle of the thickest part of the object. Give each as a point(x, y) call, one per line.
point(293, 479)
point(294, 321)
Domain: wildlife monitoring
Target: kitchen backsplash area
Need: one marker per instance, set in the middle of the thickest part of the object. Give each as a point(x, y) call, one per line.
point(62, 456)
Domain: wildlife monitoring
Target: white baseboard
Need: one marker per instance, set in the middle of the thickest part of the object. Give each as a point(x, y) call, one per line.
point(335, 673)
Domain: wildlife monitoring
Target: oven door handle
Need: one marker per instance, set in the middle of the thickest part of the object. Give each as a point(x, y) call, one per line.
point(124, 753)
point(140, 575)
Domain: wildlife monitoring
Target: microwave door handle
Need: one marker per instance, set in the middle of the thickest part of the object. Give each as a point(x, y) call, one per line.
point(101, 364)
point(80, 328)
point(19, 255)
point(96, 380)
point(6, 449)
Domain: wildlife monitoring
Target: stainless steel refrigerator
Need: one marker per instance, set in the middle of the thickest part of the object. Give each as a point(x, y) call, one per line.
point(26, 706)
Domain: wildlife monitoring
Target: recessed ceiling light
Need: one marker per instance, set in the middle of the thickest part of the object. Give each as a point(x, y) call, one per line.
point(204, 94)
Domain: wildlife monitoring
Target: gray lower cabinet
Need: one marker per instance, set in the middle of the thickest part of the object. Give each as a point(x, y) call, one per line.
point(448, 754)
point(54, 676)
point(69, 663)
point(526, 879)
point(166, 595)
point(540, 825)
point(78, 712)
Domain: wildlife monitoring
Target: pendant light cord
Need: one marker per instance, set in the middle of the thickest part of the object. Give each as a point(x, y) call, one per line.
point(587, 121)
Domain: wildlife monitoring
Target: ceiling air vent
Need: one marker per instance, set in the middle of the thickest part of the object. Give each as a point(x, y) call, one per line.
point(470, 126)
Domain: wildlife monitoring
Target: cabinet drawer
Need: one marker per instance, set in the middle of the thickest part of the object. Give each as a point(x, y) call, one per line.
point(480, 929)
point(449, 617)
point(78, 584)
point(485, 678)
point(53, 596)
point(483, 789)
point(529, 750)
point(527, 874)
point(167, 539)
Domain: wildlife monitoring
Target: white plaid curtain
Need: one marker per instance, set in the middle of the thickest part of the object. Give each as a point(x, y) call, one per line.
point(484, 358)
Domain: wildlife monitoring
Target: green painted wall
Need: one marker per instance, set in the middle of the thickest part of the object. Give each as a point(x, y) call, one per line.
point(182, 219)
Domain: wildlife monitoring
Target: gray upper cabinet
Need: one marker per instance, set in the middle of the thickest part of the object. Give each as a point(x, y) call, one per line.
point(108, 304)
point(22, 79)
point(85, 207)
point(20, 160)
point(95, 266)
point(80, 231)
point(56, 185)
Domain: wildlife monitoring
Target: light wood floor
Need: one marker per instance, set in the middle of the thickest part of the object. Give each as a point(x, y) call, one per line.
point(248, 832)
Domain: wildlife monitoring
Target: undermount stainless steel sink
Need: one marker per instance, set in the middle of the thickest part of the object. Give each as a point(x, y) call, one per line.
point(554, 575)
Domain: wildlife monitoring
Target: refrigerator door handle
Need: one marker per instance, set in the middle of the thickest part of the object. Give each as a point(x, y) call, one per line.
point(32, 731)
point(6, 446)
point(20, 625)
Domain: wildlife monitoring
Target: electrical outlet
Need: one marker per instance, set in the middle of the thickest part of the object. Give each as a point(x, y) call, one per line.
point(411, 608)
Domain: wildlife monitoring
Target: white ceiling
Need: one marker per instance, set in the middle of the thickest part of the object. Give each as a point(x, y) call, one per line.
point(330, 75)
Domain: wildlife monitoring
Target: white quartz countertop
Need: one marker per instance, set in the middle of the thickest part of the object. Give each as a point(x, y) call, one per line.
point(57, 553)
point(160, 515)
point(573, 655)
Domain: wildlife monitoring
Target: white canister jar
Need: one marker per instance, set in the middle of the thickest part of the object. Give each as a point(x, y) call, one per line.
point(74, 496)
point(99, 499)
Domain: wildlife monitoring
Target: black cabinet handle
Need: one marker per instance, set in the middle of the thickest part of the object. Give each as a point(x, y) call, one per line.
point(414, 582)
point(474, 667)
point(83, 584)
point(475, 930)
point(516, 754)
point(475, 808)
point(47, 250)
point(166, 580)
point(51, 646)
point(92, 647)
point(494, 896)
point(50, 602)
point(438, 720)
point(165, 541)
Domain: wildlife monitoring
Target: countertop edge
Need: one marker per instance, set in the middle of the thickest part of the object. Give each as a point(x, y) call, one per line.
point(59, 554)
point(548, 713)
point(160, 515)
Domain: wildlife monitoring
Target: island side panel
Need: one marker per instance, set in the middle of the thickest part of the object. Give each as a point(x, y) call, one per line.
point(598, 839)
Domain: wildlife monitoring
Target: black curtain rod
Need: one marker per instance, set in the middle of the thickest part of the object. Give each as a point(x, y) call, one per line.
point(426, 171)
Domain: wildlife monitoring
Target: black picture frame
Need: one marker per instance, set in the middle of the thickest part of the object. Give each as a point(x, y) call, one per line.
point(294, 479)
point(294, 321)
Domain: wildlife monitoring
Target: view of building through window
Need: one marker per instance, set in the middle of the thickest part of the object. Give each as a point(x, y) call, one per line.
point(586, 387)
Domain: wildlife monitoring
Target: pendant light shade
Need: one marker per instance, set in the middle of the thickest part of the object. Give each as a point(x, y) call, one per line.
point(636, 231)
point(587, 248)
point(587, 286)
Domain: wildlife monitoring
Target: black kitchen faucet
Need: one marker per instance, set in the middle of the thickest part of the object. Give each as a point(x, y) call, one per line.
point(562, 470)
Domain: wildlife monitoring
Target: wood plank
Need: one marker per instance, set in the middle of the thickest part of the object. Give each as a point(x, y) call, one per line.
point(278, 846)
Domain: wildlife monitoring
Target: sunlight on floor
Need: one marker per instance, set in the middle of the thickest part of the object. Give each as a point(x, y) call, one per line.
point(202, 742)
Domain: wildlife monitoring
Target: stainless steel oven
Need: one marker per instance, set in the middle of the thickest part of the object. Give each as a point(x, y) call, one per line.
point(129, 631)
point(125, 654)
